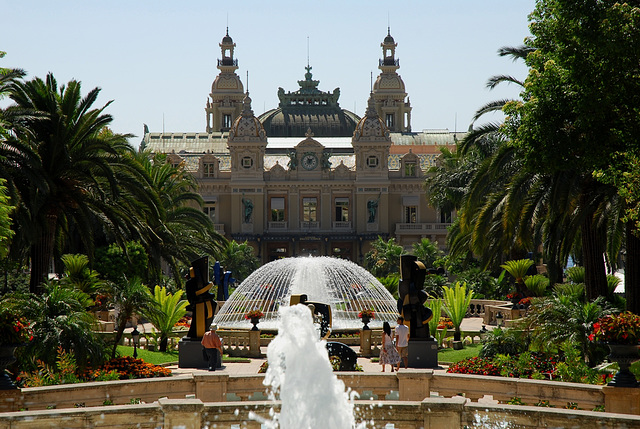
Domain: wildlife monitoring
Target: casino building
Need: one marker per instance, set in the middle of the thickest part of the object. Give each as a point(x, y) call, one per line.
point(308, 177)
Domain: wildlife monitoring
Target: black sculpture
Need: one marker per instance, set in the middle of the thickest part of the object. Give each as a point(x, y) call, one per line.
point(412, 297)
point(202, 304)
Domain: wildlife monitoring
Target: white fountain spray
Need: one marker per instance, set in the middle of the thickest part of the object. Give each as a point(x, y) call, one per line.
point(301, 376)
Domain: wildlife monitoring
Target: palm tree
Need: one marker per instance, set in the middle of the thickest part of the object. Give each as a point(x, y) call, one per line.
point(131, 297)
point(78, 275)
point(238, 258)
point(427, 252)
point(456, 303)
point(384, 257)
point(59, 318)
point(178, 230)
point(63, 172)
point(172, 309)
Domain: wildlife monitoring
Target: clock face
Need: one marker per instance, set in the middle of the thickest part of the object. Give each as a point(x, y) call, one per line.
point(309, 161)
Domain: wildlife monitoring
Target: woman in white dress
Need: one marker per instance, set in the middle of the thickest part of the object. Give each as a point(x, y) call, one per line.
point(388, 354)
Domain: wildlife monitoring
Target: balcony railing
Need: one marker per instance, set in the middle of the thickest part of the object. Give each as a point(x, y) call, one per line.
point(278, 226)
point(341, 225)
point(219, 227)
point(309, 225)
point(417, 228)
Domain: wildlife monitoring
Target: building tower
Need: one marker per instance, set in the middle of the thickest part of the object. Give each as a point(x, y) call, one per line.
point(224, 104)
point(389, 91)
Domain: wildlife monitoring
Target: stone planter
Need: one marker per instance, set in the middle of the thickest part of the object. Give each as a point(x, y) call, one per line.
point(254, 321)
point(624, 355)
point(365, 321)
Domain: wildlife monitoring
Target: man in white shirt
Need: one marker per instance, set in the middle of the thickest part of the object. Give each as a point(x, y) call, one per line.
point(402, 341)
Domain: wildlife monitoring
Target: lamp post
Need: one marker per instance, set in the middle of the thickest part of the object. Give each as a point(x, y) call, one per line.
point(499, 319)
point(135, 335)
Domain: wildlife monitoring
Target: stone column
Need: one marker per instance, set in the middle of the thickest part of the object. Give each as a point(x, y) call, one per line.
point(365, 342)
point(414, 385)
point(623, 400)
point(211, 387)
point(185, 413)
point(254, 344)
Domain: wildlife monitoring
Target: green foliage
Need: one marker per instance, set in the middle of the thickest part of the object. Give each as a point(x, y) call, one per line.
point(239, 258)
point(172, 309)
point(63, 372)
point(5, 221)
point(573, 290)
point(435, 305)
point(59, 319)
point(483, 284)
point(391, 282)
point(506, 341)
point(456, 303)
point(575, 274)
point(518, 268)
point(130, 297)
point(537, 284)
point(116, 263)
point(559, 318)
point(78, 275)
point(427, 252)
point(384, 257)
point(433, 284)
point(515, 401)
point(574, 369)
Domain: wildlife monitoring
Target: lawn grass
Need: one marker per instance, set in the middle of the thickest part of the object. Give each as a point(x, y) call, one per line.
point(163, 358)
point(452, 356)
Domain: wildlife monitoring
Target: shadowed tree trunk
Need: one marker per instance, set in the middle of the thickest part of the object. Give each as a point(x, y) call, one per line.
point(41, 254)
point(595, 276)
point(632, 270)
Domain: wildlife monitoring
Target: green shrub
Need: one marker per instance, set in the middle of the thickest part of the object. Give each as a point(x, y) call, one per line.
point(504, 342)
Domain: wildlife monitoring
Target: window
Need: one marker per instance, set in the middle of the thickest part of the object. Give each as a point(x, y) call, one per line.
point(277, 209)
point(390, 120)
point(372, 161)
point(410, 169)
point(342, 209)
point(309, 209)
point(410, 214)
point(445, 217)
point(208, 169)
point(226, 121)
point(247, 162)
point(210, 210)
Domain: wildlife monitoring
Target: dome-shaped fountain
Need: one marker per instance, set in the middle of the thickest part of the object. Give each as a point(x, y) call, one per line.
point(345, 286)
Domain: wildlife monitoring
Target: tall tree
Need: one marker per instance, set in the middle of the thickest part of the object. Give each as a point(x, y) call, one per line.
point(62, 171)
point(580, 105)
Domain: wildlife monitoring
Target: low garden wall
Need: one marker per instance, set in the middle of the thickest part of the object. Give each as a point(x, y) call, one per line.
point(436, 413)
point(406, 385)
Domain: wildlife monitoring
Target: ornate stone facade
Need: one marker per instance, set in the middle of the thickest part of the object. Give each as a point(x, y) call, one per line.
point(330, 190)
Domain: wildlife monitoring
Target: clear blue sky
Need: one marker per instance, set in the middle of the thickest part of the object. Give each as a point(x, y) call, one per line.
point(157, 59)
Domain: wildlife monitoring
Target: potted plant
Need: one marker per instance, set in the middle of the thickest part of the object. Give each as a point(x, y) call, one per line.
point(254, 316)
point(366, 315)
point(621, 333)
point(14, 331)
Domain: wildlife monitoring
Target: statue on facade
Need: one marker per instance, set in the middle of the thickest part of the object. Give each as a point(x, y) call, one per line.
point(372, 209)
point(293, 160)
point(248, 209)
point(326, 164)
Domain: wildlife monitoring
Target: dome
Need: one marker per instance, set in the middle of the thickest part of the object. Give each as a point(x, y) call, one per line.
point(371, 125)
point(246, 125)
point(229, 82)
point(389, 81)
point(344, 285)
point(389, 40)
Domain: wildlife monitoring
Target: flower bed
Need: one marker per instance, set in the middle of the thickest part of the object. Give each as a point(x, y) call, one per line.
point(128, 367)
point(526, 365)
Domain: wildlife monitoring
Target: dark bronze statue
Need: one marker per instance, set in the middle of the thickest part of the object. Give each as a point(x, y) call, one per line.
point(412, 297)
point(202, 303)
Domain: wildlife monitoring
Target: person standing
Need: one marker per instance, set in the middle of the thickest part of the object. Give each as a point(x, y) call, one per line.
point(402, 341)
point(388, 354)
point(212, 345)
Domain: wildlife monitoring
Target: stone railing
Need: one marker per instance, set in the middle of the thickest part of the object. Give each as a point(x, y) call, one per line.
point(423, 399)
point(240, 343)
point(430, 413)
